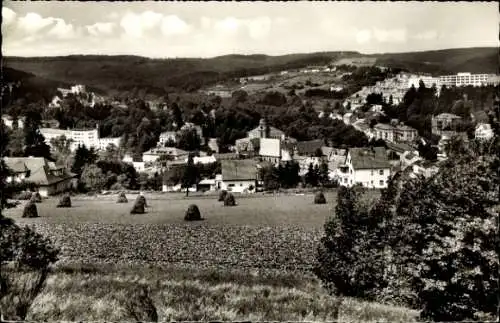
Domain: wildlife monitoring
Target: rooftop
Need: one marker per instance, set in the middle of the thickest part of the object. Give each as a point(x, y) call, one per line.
point(366, 158)
point(245, 169)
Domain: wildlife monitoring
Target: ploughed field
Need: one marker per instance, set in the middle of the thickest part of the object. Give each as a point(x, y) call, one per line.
point(261, 231)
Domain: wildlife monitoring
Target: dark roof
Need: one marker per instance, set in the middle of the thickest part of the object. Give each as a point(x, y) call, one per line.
point(399, 147)
point(367, 158)
point(226, 156)
point(245, 169)
point(480, 116)
point(309, 147)
point(40, 169)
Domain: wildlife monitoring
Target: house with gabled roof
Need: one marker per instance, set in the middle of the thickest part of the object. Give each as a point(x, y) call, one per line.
point(369, 167)
point(237, 175)
point(48, 177)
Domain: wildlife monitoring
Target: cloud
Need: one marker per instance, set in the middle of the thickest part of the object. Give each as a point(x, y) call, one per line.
point(135, 25)
point(62, 29)
point(229, 25)
point(427, 35)
point(173, 25)
point(259, 27)
point(363, 36)
point(205, 22)
point(101, 28)
point(390, 36)
point(8, 16)
point(33, 22)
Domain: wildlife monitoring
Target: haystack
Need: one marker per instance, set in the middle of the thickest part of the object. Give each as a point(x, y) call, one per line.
point(139, 205)
point(30, 210)
point(319, 198)
point(222, 196)
point(65, 201)
point(122, 198)
point(36, 197)
point(229, 200)
point(193, 213)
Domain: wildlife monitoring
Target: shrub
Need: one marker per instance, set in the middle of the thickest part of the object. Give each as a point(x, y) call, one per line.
point(222, 195)
point(141, 307)
point(122, 198)
point(65, 201)
point(229, 200)
point(193, 213)
point(139, 205)
point(319, 198)
point(30, 210)
point(36, 197)
point(30, 255)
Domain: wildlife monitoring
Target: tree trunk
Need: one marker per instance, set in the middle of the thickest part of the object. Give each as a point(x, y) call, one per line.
point(336, 308)
point(187, 191)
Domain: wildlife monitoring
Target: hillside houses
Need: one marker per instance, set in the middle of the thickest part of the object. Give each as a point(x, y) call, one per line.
point(395, 133)
point(445, 124)
point(88, 137)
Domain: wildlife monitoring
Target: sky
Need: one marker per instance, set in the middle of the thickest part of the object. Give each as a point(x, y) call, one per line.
point(208, 29)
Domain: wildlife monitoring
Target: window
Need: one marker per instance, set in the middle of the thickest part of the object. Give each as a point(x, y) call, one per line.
point(241, 184)
point(231, 185)
point(371, 183)
point(381, 172)
point(345, 180)
point(371, 172)
point(381, 183)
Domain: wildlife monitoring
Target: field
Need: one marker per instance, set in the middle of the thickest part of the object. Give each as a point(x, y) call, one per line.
point(249, 262)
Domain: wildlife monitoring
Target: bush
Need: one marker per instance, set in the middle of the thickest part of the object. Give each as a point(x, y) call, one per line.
point(31, 254)
point(122, 198)
point(229, 200)
point(36, 197)
point(30, 210)
point(193, 213)
point(65, 201)
point(141, 307)
point(139, 205)
point(319, 198)
point(222, 196)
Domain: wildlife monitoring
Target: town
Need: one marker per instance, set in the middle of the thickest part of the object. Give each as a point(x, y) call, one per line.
point(265, 147)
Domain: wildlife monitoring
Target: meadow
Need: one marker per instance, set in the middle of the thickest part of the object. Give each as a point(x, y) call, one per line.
point(249, 262)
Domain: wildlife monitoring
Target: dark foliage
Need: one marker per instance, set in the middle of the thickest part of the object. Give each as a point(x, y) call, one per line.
point(36, 197)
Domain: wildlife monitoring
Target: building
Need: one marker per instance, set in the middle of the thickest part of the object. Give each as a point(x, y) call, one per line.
point(266, 131)
point(428, 81)
point(483, 131)
point(423, 168)
point(212, 144)
point(310, 148)
point(49, 178)
point(237, 175)
point(384, 131)
point(404, 133)
point(167, 136)
point(445, 123)
point(465, 79)
point(87, 137)
point(202, 160)
point(11, 122)
point(270, 150)
point(170, 152)
point(369, 167)
point(408, 158)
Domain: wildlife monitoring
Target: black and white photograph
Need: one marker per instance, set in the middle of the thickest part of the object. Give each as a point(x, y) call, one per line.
point(250, 161)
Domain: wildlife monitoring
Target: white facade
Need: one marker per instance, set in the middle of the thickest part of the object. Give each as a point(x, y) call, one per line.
point(89, 138)
point(167, 136)
point(9, 122)
point(429, 81)
point(484, 131)
point(376, 177)
point(464, 79)
point(237, 186)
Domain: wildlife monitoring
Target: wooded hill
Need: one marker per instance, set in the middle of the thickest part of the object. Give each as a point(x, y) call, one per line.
point(157, 76)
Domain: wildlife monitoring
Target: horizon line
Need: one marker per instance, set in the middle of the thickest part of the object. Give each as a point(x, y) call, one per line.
point(258, 54)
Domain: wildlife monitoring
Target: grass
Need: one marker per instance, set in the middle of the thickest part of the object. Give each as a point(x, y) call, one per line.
point(76, 292)
point(260, 210)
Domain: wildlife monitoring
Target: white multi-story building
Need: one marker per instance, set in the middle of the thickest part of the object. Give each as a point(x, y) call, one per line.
point(87, 137)
point(465, 79)
point(429, 81)
point(365, 166)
